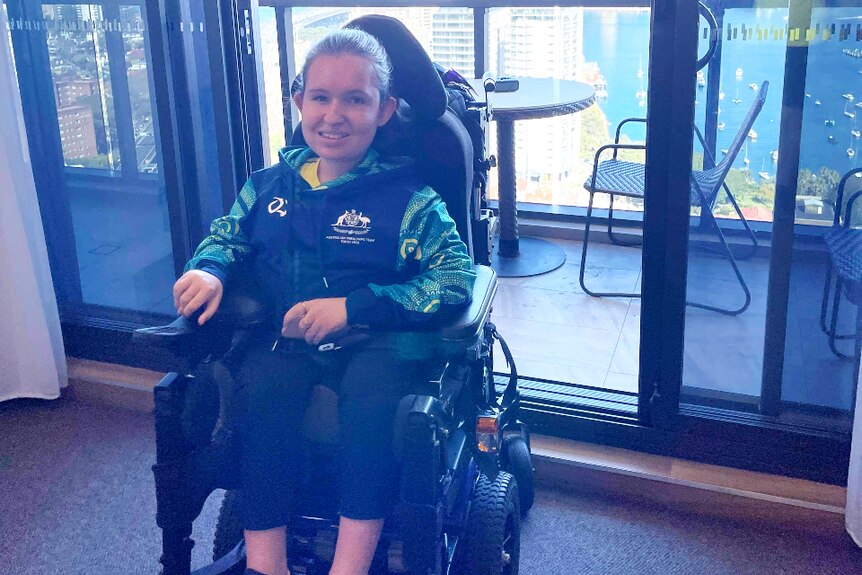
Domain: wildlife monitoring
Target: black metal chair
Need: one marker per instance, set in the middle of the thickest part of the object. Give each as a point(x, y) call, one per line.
point(617, 177)
point(844, 244)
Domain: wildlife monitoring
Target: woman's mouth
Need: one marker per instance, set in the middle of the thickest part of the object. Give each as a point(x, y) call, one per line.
point(332, 135)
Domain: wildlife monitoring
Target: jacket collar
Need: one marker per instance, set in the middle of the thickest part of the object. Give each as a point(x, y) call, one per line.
point(293, 157)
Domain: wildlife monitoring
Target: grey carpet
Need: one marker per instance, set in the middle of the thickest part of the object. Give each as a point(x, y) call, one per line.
point(76, 497)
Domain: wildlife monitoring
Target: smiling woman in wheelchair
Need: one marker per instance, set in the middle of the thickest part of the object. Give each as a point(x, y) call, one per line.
point(345, 244)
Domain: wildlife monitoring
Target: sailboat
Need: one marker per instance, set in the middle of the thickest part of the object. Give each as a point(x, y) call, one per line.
point(737, 99)
point(764, 175)
point(641, 94)
point(640, 73)
point(745, 159)
point(774, 154)
point(721, 126)
point(849, 112)
point(701, 79)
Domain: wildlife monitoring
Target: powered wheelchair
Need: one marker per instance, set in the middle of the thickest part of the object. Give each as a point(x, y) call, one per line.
point(466, 476)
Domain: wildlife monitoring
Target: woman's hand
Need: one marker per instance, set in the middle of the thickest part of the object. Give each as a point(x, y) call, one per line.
point(194, 289)
point(316, 319)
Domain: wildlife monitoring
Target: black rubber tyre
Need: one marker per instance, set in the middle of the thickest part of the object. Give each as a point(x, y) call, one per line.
point(492, 543)
point(518, 462)
point(228, 531)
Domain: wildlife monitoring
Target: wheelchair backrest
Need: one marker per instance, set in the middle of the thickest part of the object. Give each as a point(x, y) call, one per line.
point(423, 128)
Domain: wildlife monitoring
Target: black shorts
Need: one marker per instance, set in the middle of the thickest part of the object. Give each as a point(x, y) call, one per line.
point(369, 379)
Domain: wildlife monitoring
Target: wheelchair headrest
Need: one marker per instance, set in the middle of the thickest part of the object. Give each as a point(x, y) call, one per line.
point(414, 77)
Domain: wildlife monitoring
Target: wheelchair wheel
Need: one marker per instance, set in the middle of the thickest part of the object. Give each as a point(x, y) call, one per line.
point(518, 462)
point(229, 531)
point(491, 544)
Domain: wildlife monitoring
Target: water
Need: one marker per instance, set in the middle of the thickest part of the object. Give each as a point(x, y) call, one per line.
point(619, 40)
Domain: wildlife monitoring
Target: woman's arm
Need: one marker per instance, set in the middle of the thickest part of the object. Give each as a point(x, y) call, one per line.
point(202, 284)
point(429, 241)
point(227, 244)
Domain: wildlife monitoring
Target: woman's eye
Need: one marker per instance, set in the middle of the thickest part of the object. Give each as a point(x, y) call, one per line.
point(318, 98)
point(357, 100)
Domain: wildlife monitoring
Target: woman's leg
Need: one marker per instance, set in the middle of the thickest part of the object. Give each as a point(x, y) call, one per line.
point(357, 540)
point(376, 377)
point(266, 551)
point(277, 386)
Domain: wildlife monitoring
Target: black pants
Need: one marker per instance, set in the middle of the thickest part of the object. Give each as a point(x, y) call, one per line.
point(370, 380)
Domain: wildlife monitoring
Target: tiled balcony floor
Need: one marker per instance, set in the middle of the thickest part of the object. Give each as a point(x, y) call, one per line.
point(557, 332)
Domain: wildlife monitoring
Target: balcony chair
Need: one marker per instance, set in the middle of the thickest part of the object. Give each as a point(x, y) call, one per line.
point(621, 178)
point(844, 244)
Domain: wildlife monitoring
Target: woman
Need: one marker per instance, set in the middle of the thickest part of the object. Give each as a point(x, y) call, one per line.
point(340, 239)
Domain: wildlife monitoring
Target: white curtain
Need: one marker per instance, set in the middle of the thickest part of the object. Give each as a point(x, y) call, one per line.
point(32, 361)
point(853, 513)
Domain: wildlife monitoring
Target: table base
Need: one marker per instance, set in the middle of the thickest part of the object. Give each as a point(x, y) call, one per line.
point(536, 257)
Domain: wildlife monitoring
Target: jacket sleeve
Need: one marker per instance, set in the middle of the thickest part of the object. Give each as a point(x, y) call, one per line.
point(227, 245)
point(444, 279)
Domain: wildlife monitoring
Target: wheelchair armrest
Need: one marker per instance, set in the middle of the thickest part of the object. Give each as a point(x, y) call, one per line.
point(467, 326)
point(175, 335)
point(239, 309)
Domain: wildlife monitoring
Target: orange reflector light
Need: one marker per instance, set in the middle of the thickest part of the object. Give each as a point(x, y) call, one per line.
point(488, 432)
point(487, 424)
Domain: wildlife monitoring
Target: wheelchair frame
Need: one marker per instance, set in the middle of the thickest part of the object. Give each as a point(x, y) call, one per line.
point(457, 506)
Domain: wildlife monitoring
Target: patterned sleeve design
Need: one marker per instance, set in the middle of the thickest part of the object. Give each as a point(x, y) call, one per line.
point(227, 244)
point(428, 242)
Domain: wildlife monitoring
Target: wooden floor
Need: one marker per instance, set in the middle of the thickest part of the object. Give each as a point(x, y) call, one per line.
point(557, 332)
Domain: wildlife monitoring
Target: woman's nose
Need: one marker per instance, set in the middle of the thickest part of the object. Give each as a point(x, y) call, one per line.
point(334, 111)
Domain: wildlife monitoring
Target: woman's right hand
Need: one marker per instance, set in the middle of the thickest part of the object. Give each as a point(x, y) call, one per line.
point(197, 288)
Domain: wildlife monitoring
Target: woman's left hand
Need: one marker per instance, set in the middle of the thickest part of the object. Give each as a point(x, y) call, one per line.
point(322, 318)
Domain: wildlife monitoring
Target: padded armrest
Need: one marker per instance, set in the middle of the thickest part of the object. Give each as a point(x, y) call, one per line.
point(239, 309)
point(176, 335)
point(467, 326)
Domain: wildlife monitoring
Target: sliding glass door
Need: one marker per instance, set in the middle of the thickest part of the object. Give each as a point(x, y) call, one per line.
point(771, 115)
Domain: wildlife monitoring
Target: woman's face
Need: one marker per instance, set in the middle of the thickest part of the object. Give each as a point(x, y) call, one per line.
point(341, 111)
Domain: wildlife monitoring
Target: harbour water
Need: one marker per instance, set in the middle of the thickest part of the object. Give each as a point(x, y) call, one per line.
point(619, 41)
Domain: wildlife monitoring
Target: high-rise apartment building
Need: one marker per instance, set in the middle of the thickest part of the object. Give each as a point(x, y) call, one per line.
point(452, 39)
point(77, 132)
point(67, 92)
point(543, 42)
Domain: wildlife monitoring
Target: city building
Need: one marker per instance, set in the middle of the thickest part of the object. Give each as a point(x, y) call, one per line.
point(452, 39)
point(543, 42)
point(68, 92)
point(77, 132)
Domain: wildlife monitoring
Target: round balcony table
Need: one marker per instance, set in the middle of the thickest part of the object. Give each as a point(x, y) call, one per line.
point(517, 256)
